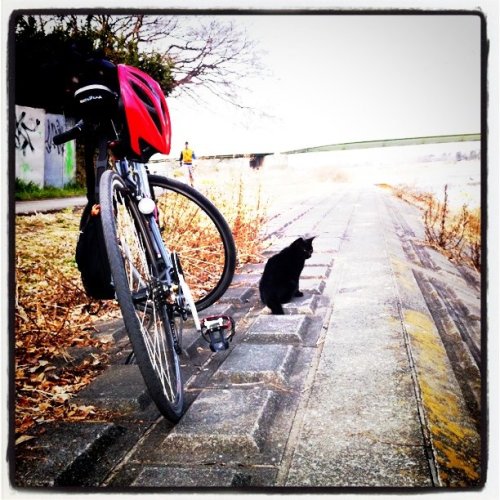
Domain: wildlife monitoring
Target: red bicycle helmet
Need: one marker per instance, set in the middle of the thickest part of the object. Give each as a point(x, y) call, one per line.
point(146, 112)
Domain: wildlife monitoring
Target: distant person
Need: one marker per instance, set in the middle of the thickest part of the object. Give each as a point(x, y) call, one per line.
point(186, 158)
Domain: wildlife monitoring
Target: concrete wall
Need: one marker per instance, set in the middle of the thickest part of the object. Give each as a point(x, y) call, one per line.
point(37, 159)
point(60, 164)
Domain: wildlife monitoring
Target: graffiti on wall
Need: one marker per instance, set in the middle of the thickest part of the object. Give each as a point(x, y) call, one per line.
point(69, 158)
point(38, 160)
point(26, 128)
point(59, 160)
point(30, 144)
point(55, 125)
point(69, 172)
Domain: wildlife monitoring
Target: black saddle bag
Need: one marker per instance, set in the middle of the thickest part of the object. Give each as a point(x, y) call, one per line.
point(91, 257)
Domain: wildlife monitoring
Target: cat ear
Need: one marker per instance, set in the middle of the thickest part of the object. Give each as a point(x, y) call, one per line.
point(310, 239)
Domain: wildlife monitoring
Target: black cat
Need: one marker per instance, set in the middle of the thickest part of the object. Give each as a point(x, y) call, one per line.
point(280, 279)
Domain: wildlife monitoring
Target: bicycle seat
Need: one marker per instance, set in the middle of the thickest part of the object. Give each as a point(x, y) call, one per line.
point(96, 101)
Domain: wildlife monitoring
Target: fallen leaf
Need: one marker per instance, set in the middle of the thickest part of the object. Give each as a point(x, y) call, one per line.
point(23, 439)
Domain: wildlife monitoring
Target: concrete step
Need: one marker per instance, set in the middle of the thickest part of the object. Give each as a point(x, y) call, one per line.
point(271, 329)
point(262, 364)
point(221, 424)
point(67, 454)
point(119, 388)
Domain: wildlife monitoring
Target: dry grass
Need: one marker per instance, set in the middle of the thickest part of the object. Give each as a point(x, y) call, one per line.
point(457, 234)
point(52, 316)
point(240, 197)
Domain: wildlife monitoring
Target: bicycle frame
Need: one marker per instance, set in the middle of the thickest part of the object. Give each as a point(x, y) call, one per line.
point(135, 175)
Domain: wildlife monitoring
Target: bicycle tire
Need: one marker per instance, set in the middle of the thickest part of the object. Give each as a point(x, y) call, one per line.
point(139, 294)
point(195, 229)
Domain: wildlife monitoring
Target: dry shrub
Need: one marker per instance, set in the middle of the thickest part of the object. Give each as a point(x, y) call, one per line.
point(412, 195)
point(456, 234)
point(246, 221)
point(244, 207)
point(187, 229)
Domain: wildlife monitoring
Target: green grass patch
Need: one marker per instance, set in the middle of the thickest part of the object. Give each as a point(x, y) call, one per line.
point(26, 191)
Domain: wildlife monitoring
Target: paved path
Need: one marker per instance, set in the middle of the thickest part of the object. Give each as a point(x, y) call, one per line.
point(371, 379)
point(31, 207)
point(361, 422)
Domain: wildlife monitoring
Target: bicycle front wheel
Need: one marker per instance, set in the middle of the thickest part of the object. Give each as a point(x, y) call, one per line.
point(141, 295)
point(195, 229)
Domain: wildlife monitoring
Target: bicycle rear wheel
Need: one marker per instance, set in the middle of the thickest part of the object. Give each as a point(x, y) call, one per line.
point(195, 229)
point(141, 295)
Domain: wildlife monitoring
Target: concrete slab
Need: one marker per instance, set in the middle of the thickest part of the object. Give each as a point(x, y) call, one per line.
point(320, 259)
point(441, 338)
point(448, 398)
point(280, 244)
point(302, 305)
point(358, 465)
point(327, 244)
point(252, 268)
point(272, 329)
point(120, 388)
point(246, 279)
point(181, 477)
point(217, 309)
point(362, 412)
point(312, 285)
point(268, 364)
point(64, 455)
point(237, 295)
point(321, 272)
point(221, 424)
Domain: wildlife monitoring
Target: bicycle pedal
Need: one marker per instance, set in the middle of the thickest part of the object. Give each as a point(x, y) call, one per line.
point(218, 331)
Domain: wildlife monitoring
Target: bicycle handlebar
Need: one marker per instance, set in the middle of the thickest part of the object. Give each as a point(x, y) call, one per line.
point(69, 135)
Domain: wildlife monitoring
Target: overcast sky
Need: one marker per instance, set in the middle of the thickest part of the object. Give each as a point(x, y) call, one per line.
point(347, 78)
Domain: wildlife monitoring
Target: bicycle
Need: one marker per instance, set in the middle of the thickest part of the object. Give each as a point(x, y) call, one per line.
point(159, 279)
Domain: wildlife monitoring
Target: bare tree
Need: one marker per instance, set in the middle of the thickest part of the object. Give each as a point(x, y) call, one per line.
point(210, 54)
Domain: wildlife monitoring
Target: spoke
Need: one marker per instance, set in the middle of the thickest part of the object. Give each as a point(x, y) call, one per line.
point(203, 271)
point(155, 342)
point(200, 262)
point(212, 249)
